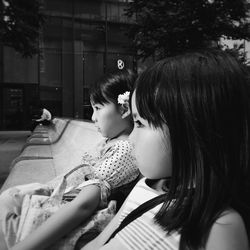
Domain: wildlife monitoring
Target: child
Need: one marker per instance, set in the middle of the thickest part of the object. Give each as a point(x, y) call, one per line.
point(112, 164)
point(191, 137)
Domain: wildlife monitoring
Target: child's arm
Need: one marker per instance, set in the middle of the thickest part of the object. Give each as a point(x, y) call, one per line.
point(43, 117)
point(64, 220)
point(40, 119)
point(228, 233)
point(101, 239)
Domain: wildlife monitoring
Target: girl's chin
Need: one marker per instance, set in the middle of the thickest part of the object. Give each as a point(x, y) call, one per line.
point(148, 174)
point(102, 133)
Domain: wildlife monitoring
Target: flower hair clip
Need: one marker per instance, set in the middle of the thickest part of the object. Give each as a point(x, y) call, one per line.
point(123, 98)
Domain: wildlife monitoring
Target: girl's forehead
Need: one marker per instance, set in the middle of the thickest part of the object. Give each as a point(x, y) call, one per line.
point(92, 102)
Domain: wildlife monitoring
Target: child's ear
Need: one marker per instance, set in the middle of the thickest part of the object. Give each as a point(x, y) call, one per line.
point(125, 110)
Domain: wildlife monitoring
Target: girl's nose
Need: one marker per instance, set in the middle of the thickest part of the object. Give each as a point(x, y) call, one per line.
point(93, 118)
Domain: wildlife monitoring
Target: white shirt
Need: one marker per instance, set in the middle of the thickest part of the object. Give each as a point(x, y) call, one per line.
point(46, 115)
point(143, 233)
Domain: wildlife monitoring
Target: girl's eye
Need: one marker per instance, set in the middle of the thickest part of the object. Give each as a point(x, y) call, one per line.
point(97, 108)
point(138, 124)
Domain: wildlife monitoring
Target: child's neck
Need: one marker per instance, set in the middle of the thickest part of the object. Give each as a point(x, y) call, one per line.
point(158, 185)
point(123, 135)
point(120, 137)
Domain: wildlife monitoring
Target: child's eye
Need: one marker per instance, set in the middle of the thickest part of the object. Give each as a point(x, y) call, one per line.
point(96, 107)
point(138, 124)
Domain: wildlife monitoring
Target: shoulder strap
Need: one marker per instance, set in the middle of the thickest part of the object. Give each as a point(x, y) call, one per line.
point(74, 169)
point(146, 206)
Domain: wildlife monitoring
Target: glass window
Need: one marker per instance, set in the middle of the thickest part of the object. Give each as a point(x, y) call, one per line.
point(13, 111)
point(52, 33)
point(50, 73)
point(88, 9)
point(60, 6)
point(52, 99)
point(18, 69)
point(93, 67)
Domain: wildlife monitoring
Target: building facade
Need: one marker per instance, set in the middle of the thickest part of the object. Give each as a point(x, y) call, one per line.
point(80, 41)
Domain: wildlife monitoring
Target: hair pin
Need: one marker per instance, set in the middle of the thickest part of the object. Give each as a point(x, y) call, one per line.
point(123, 98)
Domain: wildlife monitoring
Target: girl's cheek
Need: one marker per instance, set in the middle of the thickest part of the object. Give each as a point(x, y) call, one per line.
point(143, 154)
point(133, 137)
point(138, 145)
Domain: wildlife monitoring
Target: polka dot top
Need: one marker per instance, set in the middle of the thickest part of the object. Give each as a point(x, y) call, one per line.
point(113, 163)
point(110, 165)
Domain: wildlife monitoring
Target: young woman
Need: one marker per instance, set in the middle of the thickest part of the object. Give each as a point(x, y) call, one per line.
point(191, 136)
point(111, 164)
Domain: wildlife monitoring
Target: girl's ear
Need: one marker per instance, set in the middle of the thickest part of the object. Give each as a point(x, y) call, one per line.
point(125, 110)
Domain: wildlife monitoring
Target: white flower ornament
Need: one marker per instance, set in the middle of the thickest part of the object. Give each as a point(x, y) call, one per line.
point(123, 98)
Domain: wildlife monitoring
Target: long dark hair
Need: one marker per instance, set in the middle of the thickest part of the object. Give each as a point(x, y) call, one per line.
point(203, 98)
point(111, 85)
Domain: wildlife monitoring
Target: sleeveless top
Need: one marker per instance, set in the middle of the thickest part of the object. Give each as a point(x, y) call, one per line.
point(143, 233)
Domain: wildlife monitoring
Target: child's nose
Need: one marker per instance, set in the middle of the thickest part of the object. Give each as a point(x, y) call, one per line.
point(93, 118)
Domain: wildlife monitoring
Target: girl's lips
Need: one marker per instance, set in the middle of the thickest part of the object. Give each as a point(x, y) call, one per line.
point(98, 128)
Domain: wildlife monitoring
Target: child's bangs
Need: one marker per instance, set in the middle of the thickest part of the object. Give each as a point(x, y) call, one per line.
point(146, 101)
point(98, 97)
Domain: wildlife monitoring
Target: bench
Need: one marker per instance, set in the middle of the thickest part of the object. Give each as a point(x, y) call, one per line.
point(48, 161)
point(49, 134)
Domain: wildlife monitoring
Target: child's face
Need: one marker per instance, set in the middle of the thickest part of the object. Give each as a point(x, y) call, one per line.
point(152, 147)
point(107, 119)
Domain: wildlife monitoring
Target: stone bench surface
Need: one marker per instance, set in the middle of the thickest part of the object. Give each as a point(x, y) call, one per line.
point(42, 150)
point(78, 137)
point(28, 171)
point(78, 132)
point(48, 134)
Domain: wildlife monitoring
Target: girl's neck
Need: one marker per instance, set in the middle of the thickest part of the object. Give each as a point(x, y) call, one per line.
point(159, 185)
point(123, 135)
point(117, 138)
